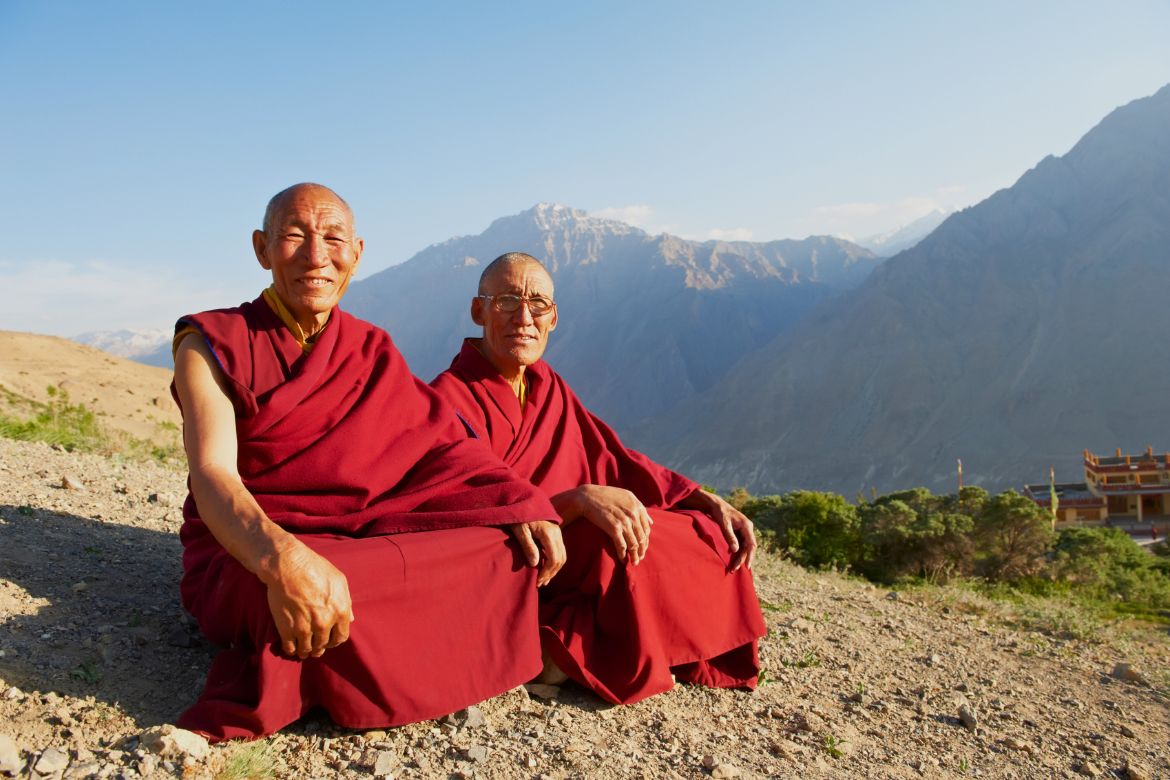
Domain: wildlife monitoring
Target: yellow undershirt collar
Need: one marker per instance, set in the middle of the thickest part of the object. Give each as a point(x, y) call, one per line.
point(294, 327)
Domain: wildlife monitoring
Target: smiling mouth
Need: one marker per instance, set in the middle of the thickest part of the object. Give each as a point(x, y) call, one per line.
point(315, 282)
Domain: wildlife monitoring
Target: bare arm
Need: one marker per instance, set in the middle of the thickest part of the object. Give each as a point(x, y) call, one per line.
point(737, 529)
point(614, 510)
point(308, 596)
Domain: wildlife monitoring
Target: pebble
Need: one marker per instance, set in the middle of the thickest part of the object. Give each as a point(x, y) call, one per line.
point(724, 771)
point(1126, 731)
point(1016, 744)
point(967, 717)
point(10, 762)
point(146, 765)
point(1135, 772)
point(1089, 769)
point(542, 691)
point(169, 741)
point(475, 718)
point(86, 769)
point(384, 763)
point(51, 761)
point(1123, 671)
point(709, 762)
point(476, 753)
point(72, 483)
point(162, 499)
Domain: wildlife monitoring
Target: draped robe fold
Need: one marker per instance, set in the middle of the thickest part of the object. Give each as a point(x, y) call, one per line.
point(620, 630)
point(343, 447)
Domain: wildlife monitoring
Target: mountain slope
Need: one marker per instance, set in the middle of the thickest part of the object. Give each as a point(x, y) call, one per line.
point(125, 395)
point(645, 321)
point(1021, 331)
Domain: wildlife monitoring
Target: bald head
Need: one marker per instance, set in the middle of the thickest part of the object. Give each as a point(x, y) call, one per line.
point(282, 198)
point(510, 260)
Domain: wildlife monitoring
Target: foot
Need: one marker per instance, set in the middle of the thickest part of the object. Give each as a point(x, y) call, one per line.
point(551, 674)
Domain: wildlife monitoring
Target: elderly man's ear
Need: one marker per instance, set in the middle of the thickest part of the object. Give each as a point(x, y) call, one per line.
point(477, 310)
point(259, 244)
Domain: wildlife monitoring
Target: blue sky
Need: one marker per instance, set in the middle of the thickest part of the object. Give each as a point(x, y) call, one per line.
point(141, 140)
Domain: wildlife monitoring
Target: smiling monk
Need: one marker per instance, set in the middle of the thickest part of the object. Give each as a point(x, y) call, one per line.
point(630, 608)
point(344, 541)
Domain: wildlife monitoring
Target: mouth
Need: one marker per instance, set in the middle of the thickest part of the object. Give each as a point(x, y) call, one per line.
point(315, 282)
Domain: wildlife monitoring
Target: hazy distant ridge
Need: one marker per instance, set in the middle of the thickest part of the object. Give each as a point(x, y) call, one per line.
point(1021, 331)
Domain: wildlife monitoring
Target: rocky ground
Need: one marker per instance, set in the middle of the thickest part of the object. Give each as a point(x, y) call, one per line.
point(96, 654)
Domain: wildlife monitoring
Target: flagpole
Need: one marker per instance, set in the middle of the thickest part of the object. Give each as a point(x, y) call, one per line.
point(1053, 501)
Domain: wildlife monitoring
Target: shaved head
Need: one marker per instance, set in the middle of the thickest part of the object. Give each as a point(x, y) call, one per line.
point(279, 200)
point(509, 260)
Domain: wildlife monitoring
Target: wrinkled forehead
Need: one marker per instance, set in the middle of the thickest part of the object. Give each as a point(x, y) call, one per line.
point(526, 278)
point(314, 206)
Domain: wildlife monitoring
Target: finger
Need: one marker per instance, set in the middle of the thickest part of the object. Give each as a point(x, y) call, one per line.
point(558, 554)
point(645, 521)
point(729, 534)
point(618, 535)
point(750, 543)
point(632, 542)
point(320, 641)
point(527, 546)
point(339, 634)
point(304, 644)
point(547, 571)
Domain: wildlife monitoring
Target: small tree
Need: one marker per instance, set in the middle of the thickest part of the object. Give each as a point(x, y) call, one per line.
point(739, 497)
point(819, 529)
point(1012, 537)
point(901, 541)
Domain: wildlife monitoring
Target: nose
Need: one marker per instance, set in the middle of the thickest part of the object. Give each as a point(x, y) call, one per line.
point(315, 250)
point(523, 315)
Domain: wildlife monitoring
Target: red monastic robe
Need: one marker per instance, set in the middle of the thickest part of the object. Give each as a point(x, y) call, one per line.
point(620, 630)
point(345, 448)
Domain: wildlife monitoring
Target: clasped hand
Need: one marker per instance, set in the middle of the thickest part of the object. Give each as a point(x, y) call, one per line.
point(542, 545)
point(310, 603)
point(621, 515)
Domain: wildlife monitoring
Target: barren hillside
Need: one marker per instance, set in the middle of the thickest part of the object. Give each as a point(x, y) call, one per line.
point(860, 682)
point(126, 396)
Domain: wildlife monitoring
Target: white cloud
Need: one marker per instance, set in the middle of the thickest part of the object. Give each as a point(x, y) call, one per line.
point(637, 215)
point(729, 234)
point(866, 218)
point(63, 298)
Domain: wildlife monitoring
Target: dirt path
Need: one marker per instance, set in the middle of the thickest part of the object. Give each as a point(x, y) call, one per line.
point(94, 649)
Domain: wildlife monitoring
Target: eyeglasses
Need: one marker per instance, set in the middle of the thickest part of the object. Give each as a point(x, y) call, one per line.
point(537, 304)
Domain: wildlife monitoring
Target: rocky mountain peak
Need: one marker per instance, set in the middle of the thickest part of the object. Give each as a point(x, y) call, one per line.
point(558, 218)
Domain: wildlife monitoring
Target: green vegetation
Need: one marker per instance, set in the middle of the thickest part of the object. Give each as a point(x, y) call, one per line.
point(1002, 546)
point(248, 761)
point(75, 428)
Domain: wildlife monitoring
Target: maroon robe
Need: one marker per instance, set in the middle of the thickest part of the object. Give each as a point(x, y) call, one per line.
point(618, 629)
point(345, 448)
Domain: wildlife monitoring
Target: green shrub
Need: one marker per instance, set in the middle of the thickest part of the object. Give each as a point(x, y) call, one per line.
point(73, 426)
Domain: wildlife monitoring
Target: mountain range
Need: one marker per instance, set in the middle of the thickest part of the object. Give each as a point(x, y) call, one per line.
point(646, 321)
point(1018, 333)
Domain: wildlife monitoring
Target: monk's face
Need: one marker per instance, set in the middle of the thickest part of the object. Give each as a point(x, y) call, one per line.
point(311, 250)
point(514, 340)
